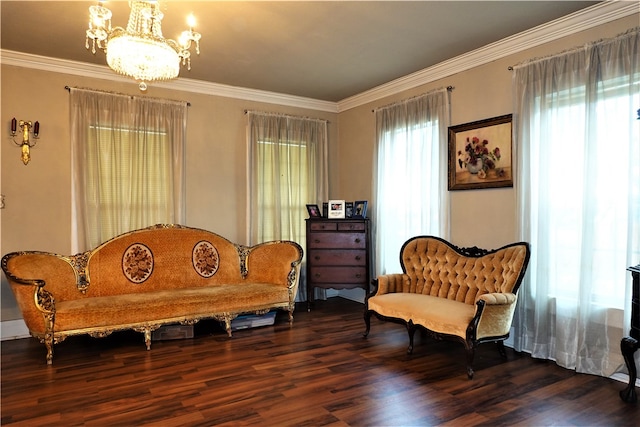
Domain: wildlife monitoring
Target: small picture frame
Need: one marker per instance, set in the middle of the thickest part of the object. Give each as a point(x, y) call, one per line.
point(314, 211)
point(336, 209)
point(359, 209)
point(348, 209)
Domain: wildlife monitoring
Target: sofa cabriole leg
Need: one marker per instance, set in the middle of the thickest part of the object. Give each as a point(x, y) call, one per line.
point(48, 342)
point(147, 338)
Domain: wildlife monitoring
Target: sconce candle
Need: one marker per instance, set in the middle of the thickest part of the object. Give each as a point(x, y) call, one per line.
point(27, 127)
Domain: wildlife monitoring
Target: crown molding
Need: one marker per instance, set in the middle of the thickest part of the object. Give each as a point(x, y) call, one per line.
point(45, 63)
point(599, 14)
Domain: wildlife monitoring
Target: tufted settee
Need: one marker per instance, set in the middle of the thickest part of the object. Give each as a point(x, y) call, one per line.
point(462, 294)
point(147, 278)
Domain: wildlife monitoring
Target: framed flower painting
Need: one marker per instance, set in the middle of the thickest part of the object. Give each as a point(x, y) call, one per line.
point(480, 154)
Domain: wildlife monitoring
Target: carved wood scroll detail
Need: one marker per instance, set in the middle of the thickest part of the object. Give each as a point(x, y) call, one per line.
point(79, 262)
point(243, 253)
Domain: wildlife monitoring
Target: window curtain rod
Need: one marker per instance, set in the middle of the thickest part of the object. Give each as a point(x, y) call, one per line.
point(627, 33)
point(68, 88)
point(448, 88)
point(288, 116)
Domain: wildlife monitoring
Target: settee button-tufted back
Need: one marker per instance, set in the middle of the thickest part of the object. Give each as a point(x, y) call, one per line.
point(435, 268)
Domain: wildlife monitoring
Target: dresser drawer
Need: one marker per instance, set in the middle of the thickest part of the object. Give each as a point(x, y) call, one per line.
point(323, 226)
point(351, 226)
point(337, 257)
point(338, 274)
point(336, 240)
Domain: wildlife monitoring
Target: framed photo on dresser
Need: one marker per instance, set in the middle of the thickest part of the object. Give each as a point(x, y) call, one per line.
point(336, 209)
point(314, 211)
point(359, 209)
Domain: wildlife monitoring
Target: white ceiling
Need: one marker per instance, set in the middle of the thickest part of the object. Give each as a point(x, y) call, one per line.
point(324, 50)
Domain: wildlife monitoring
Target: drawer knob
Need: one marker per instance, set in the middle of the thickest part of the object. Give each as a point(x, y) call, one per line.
point(358, 275)
point(316, 241)
point(358, 258)
point(358, 240)
point(316, 257)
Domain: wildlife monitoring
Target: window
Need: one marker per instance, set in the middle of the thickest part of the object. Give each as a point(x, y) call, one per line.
point(129, 175)
point(578, 201)
point(586, 194)
point(411, 188)
point(285, 189)
point(127, 158)
point(287, 168)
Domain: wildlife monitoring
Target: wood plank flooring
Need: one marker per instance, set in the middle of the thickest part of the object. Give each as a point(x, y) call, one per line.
point(319, 372)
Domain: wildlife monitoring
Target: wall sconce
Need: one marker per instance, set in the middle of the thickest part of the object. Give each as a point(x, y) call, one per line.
point(27, 128)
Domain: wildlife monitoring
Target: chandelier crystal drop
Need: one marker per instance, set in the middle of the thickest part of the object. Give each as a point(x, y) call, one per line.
point(140, 51)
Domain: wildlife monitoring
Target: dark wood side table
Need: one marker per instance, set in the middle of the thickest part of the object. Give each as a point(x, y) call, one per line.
point(337, 255)
point(629, 344)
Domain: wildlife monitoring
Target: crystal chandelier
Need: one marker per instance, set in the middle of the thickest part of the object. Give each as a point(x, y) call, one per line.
point(140, 51)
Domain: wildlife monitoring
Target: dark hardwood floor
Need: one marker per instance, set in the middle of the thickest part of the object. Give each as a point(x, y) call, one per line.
point(321, 371)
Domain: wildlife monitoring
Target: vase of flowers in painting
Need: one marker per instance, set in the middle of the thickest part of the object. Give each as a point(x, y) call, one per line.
point(477, 158)
point(474, 166)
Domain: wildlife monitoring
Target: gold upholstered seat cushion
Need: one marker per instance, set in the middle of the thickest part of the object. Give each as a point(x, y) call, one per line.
point(150, 307)
point(434, 313)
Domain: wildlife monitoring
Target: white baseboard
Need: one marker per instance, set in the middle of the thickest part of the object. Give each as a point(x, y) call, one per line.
point(13, 330)
point(623, 378)
point(357, 295)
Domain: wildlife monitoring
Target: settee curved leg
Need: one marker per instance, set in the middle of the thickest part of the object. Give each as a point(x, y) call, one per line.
point(501, 349)
point(367, 323)
point(411, 329)
point(470, 355)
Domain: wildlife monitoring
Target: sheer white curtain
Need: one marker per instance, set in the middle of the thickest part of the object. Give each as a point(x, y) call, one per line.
point(127, 158)
point(410, 188)
point(287, 169)
point(578, 186)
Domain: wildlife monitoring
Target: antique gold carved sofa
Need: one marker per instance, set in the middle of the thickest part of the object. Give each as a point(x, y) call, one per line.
point(463, 294)
point(146, 278)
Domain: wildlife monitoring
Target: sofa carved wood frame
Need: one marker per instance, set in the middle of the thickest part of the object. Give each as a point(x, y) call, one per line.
point(470, 340)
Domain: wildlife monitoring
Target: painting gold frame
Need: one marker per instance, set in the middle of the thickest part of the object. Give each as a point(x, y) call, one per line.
point(493, 137)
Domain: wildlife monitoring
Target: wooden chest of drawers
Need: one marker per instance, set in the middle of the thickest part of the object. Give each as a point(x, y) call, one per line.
point(337, 255)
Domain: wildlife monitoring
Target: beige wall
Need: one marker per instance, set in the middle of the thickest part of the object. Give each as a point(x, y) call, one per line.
point(37, 215)
point(38, 196)
point(479, 93)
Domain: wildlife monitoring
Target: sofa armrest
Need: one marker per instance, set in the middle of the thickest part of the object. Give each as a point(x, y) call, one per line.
point(389, 283)
point(498, 298)
point(496, 313)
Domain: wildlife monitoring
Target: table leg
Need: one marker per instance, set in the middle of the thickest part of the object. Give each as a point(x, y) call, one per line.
point(628, 346)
